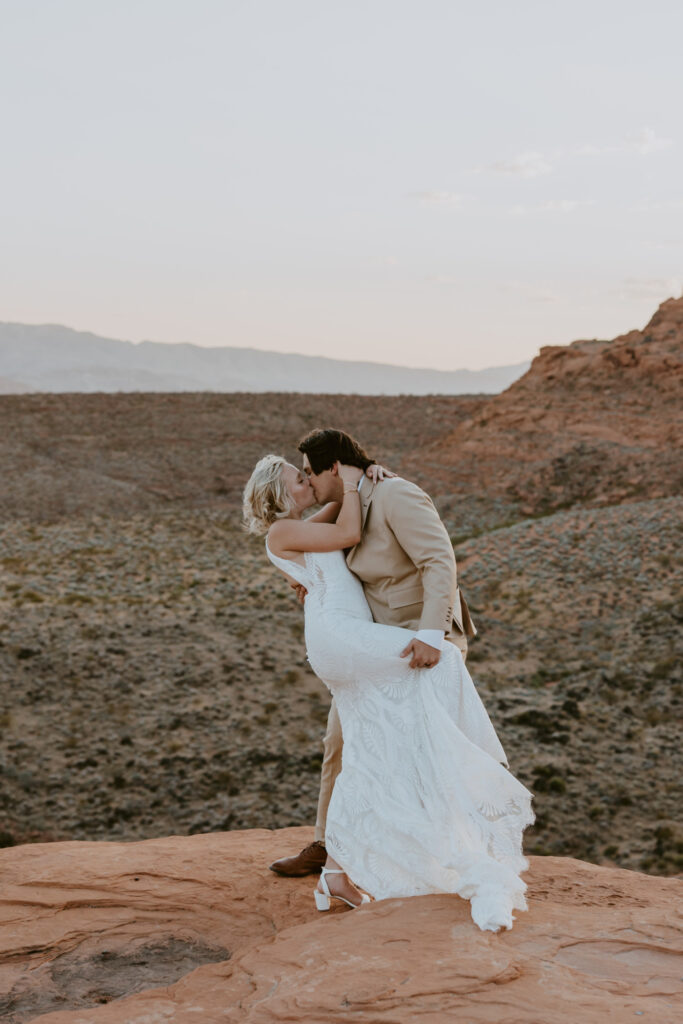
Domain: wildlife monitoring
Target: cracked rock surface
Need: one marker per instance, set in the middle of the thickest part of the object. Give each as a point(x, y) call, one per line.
point(197, 929)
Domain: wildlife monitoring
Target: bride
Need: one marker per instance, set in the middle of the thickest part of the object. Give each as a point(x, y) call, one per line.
point(423, 803)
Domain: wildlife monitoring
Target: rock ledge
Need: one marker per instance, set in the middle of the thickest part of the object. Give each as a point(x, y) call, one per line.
point(196, 929)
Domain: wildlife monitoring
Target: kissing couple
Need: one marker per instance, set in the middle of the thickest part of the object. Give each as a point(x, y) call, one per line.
point(420, 801)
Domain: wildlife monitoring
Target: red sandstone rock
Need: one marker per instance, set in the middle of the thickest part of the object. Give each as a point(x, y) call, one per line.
point(595, 422)
point(81, 922)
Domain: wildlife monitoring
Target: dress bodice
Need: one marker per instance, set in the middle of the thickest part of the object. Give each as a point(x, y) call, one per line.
point(331, 585)
point(292, 568)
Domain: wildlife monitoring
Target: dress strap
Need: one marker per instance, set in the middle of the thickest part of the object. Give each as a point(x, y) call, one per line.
point(289, 566)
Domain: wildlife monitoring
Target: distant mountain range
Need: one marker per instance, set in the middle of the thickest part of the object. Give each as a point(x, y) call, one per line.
point(54, 358)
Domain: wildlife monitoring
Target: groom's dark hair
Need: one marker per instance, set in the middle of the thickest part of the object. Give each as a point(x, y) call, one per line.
point(325, 447)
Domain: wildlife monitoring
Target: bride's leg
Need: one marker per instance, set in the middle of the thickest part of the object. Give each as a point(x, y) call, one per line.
point(340, 885)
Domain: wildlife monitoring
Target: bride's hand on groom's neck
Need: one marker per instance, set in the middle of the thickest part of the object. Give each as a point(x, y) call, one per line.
point(349, 474)
point(376, 472)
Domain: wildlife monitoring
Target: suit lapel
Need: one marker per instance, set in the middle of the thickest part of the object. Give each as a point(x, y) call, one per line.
point(367, 491)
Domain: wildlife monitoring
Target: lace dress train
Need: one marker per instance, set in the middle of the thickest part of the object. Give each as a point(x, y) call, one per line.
point(424, 802)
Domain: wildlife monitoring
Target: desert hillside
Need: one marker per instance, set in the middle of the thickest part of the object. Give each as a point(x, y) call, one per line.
point(152, 670)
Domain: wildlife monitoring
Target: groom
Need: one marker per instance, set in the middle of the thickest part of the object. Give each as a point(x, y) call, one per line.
point(406, 564)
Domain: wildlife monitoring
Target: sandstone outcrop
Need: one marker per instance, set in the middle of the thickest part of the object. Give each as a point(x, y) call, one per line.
point(196, 929)
point(595, 422)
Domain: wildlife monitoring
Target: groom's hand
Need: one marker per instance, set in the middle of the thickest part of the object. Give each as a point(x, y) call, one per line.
point(300, 592)
point(423, 656)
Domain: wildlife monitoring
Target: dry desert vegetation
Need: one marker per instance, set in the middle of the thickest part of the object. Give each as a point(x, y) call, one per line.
point(153, 678)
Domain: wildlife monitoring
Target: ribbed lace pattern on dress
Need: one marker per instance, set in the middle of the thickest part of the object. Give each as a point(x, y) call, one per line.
point(423, 803)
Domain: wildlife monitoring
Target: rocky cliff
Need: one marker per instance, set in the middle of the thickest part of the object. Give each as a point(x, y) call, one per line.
point(196, 929)
point(594, 422)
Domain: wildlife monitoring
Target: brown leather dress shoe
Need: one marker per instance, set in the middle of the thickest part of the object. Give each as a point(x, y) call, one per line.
point(309, 862)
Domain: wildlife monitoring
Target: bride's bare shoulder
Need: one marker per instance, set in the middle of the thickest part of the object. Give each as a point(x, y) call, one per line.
point(276, 534)
point(281, 536)
point(279, 541)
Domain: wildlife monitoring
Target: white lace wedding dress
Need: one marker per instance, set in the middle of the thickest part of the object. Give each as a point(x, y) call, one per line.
point(422, 804)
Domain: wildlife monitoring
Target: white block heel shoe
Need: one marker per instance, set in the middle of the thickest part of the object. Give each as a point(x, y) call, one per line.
point(322, 899)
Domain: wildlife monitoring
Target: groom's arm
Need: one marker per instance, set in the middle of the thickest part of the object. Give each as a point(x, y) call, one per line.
point(418, 529)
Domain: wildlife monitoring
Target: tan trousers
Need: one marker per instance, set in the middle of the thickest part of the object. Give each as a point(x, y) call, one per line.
point(332, 754)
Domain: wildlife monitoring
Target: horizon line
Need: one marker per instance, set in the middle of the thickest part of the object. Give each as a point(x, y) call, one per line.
point(276, 352)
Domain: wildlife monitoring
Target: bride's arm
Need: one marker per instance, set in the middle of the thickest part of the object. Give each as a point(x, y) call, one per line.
point(327, 514)
point(294, 535)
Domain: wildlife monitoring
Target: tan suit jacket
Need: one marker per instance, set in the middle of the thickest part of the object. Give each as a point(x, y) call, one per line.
point(405, 561)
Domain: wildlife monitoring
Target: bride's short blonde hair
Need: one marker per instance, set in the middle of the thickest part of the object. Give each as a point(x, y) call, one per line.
point(266, 497)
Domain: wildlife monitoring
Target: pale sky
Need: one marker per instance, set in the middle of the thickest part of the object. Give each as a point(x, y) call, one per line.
point(423, 182)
